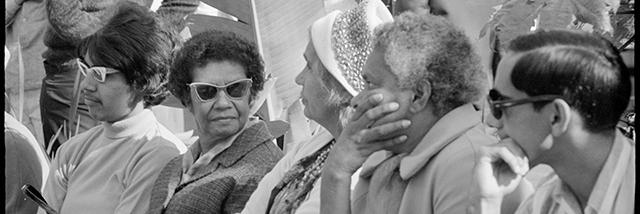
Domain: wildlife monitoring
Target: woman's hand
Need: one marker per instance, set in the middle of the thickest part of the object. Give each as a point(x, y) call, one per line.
point(498, 172)
point(367, 132)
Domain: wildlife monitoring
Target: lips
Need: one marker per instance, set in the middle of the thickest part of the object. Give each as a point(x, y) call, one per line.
point(223, 118)
point(89, 99)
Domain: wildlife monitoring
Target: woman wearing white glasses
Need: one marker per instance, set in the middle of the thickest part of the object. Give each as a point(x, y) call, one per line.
point(216, 76)
point(111, 167)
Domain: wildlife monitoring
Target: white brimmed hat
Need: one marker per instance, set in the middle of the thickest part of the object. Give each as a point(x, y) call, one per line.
point(342, 40)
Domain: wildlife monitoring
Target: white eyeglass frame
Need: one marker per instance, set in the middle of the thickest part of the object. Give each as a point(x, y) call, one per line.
point(99, 72)
point(192, 89)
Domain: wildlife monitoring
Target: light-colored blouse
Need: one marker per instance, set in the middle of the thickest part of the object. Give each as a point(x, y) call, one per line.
point(613, 192)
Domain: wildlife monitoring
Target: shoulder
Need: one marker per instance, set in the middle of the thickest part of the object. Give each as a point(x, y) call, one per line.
point(82, 140)
point(163, 138)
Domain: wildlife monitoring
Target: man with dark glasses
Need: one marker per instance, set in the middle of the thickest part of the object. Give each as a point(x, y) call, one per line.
point(557, 98)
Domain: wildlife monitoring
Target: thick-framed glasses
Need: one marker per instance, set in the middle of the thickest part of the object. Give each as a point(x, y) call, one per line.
point(497, 102)
point(206, 92)
point(98, 73)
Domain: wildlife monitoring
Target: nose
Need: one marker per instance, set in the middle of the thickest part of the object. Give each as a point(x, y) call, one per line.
point(300, 78)
point(88, 84)
point(222, 101)
point(490, 120)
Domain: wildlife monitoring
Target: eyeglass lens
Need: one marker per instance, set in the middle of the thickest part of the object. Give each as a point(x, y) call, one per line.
point(234, 90)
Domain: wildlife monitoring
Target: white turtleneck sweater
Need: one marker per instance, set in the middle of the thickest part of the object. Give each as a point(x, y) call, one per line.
point(112, 167)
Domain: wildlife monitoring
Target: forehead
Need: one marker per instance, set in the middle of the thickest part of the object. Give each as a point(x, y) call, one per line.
point(219, 72)
point(310, 54)
point(502, 81)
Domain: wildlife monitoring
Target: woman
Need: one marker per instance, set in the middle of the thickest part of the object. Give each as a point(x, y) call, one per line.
point(111, 168)
point(216, 76)
point(329, 81)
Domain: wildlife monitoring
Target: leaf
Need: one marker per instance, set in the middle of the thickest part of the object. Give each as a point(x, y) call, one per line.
point(21, 84)
point(595, 12)
point(75, 100)
point(556, 15)
point(518, 19)
point(493, 19)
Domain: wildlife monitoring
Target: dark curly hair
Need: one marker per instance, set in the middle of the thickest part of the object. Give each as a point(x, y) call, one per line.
point(138, 44)
point(585, 69)
point(214, 46)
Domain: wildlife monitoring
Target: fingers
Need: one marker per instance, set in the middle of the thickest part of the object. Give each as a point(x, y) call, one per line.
point(381, 137)
point(375, 114)
point(385, 131)
point(508, 152)
point(364, 102)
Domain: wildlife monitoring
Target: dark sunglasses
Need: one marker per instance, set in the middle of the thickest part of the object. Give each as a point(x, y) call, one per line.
point(497, 102)
point(234, 90)
point(98, 73)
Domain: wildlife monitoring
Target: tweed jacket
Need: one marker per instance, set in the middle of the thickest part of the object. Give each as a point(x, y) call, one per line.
point(227, 181)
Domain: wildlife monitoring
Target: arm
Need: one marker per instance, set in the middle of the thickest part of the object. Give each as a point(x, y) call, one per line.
point(356, 142)
point(55, 189)
point(259, 199)
point(239, 195)
point(140, 179)
point(74, 21)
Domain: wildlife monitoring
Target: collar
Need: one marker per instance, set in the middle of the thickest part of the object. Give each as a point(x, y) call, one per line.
point(611, 176)
point(314, 143)
point(609, 183)
point(443, 132)
point(135, 125)
point(446, 129)
point(250, 138)
point(194, 159)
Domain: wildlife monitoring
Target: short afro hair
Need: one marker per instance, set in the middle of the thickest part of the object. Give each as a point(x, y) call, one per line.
point(421, 48)
point(214, 46)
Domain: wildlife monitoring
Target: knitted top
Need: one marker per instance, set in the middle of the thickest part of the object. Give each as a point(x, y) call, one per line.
point(111, 168)
point(225, 185)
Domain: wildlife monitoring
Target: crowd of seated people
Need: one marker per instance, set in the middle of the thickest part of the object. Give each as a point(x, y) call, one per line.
point(401, 105)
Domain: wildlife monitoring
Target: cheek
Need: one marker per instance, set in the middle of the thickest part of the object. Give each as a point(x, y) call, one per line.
point(401, 113)
point(242, 107)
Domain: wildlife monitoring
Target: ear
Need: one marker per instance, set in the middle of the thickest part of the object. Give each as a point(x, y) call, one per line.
point(189, 106)
point(421, 95)
point(560, 117)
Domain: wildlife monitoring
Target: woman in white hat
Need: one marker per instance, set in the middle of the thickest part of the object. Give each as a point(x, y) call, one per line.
point(338, 47)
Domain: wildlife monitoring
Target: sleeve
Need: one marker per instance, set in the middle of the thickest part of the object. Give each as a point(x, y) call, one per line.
point(258, 200)
point(453, 179)
point(21, 167)
point(239, 196)
point(174, 12)
point(312, 204)
point(141, 176)
point(74, 20)
point(55, 189)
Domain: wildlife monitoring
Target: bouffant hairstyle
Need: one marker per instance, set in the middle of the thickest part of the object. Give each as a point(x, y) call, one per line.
point(425, 49)
point(584, 68)
point(214, 46)
point(138, 44)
